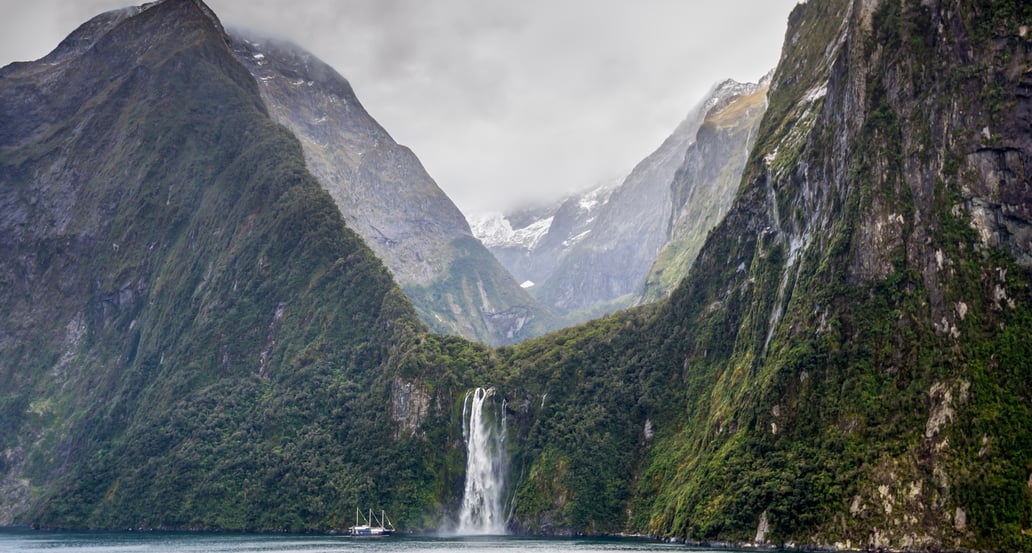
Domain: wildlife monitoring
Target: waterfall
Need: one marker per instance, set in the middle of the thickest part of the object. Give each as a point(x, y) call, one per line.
point(484, 433)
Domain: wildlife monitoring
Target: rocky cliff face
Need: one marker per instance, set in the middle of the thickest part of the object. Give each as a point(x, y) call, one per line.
point(388, 198)
point(608, 265)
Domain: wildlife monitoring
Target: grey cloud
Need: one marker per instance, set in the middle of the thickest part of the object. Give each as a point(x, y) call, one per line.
point(503, 101)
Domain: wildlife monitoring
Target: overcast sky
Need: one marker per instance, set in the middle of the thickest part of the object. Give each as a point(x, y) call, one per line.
point(504, 101)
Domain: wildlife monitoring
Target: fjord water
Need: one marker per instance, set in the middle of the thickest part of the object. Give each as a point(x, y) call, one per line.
point(24, 541)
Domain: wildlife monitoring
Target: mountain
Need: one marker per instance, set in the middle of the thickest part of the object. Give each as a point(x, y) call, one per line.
point(531, 241)
point(594, 251)
point(705, 184)
point(846, 364)
point(194, 339)
point(388, 198)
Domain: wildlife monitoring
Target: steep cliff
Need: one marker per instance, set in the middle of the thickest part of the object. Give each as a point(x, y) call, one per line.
point(388, 198)
point(608, 265)
point(847, 363)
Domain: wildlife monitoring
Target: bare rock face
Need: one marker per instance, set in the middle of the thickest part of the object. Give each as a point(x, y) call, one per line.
point(385, 194)
point(380, 186)
point(410, 404)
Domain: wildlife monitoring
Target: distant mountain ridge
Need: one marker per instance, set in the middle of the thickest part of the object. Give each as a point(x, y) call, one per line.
point(705, 184)
point(594, 251)
point(530, 242)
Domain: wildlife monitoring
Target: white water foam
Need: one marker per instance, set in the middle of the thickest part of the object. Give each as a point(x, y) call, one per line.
point(484, 433)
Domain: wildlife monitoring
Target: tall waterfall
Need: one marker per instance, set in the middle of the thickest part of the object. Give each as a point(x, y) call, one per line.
point(484, 433)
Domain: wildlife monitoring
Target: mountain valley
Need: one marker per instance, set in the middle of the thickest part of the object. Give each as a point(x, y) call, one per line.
point(593, 252)
point(216, 318)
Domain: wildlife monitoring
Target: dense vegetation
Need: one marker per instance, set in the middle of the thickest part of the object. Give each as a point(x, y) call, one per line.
point(202, 343)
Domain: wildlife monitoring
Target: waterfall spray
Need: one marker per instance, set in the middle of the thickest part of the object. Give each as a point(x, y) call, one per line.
point(481, 511)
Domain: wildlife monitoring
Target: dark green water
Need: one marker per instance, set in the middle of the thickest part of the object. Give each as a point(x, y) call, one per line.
point(27, 541)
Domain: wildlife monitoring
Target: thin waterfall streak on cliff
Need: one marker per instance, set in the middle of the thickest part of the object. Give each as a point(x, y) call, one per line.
point(482, 511)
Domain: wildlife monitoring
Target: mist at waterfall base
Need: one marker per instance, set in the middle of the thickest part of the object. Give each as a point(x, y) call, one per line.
point(483, 428)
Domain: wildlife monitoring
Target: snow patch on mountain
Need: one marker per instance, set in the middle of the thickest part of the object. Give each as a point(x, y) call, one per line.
point(597, 196)
point(495, 231)
point(730, 88)
point(527, 228)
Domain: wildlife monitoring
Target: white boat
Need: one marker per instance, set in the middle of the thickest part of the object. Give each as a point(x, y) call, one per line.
point(373, 527)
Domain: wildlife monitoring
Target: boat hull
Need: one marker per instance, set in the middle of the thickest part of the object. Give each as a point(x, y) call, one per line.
point(366, 532)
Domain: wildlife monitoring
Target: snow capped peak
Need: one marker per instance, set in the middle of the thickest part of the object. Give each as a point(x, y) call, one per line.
point(492, 228)
point(599, 195)
point(495, 231)
point(525, 229)
point(729, 89)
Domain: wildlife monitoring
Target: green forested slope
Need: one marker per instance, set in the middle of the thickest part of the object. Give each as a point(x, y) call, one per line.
point(192, 338)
